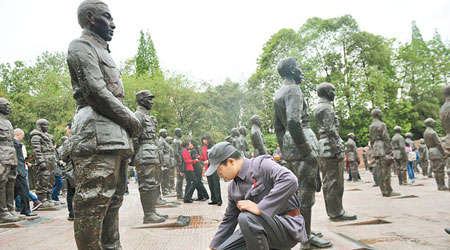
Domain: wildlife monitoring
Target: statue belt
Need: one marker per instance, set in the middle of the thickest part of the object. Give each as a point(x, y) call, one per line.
point(293, 212)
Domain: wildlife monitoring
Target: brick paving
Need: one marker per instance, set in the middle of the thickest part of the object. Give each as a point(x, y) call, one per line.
point(415, 222)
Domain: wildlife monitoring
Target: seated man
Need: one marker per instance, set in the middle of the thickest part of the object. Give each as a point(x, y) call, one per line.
point(261, 198)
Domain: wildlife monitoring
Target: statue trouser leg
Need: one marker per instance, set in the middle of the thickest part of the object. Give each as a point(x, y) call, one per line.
point(100, 185)
point(148, 191)
point(165, 181)
point(430, 169)
point(43, 180)
point(384, 176)
point(333, 185)
point(4, 215)
point(179, 185)
point(10, 187)
point(424, 166)
point(258, 232)
point(438, 169)
point(171, 179)
point(398, 171)
point(402, 171)
point(354, 169)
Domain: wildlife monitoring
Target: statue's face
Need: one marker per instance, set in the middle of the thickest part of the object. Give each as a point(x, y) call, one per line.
point(44, 127)
point(297, 73)
point(178, 133)
point(170, 141)
point(163, 134)
point(147, 102)
point(5, 107)
point(102, 23)
point(331, 94)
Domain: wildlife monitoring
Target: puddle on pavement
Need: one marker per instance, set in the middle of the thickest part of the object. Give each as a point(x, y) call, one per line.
point(368, 222)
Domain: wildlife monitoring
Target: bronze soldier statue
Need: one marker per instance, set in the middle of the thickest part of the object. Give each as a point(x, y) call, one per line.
point(147, 159)
point(400, 157)
point(382, 150)
point(101, 133)
point(436, 153)
point(423, 157)
point(353, 158)
point(257, 137)
point(331, 153)
point(172, 165)
point(444, 114)
point(45, 162)
point(235, 140)
point(179, 160)
point(297, 142)
point(166, 160)
point(243, 142)
point(8, 165)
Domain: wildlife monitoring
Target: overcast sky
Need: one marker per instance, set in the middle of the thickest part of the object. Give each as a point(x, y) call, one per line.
point(205, 39)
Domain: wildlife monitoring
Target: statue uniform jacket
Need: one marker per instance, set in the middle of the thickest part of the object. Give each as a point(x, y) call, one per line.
point(7, 150)
point(272, 187)
point(423, 151)
point(444, 114)
point(258, 142)
point(146, 144)
point(42, 146)
point(435, 149)
point(330, 143)
point(101, 118)
point(398, 147)
point(379, 139)
point(164, 149)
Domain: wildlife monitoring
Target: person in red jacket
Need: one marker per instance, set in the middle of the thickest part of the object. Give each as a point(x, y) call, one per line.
point(188, 169)
point(213, 179)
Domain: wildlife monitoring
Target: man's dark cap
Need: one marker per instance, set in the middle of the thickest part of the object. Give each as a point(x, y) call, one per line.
point(217, 154)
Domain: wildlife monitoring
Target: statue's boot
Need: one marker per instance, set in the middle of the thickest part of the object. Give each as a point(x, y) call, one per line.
point(159, 201)
point(447, 230)
point(313, 241)
point(440, 181)
point(316, 233)
point(157, 194)
point(9, 200)
point(5, 215)
point(87, 231)
point(148, 205)
point(392, 194)
point(399, 176)
point(355, 176)
point(45, 202)
point(404, 181)
point(110, 231)
point(345, 216)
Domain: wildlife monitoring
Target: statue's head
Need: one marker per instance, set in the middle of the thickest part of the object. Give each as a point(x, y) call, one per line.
point(422, 141)
point(163, 133)
point(178, 132)
point(145, 99)
point(169, 140)
point(408, 135)
point(429, 122)
point(255, 119)
point(42, 124)
point(5, 106)
point(243, 131)
point(447, 91)
point(235, 132)
point(94, 15)
point(290, 68)
point(398, 129)
point(326, 90)
point(376, 113)
point(351, 136)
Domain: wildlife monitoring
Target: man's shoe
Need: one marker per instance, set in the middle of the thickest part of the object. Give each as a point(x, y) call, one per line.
point(219, 203)
point(70, 218)
point(319, 242)
point(30, 214)
point(345, 216)
point(447, 230)
point(36, 206)
point(188, 201)
point(212, 203)
point(316, 233)
point(204, 199)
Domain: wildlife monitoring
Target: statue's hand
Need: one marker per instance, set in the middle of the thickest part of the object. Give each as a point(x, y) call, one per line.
point(312, 158)
point(134, 127)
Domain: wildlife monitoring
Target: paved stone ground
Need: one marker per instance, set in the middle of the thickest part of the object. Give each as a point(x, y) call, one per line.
point(415, 222)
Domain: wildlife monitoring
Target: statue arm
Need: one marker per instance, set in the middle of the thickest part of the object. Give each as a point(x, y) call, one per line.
point(386, 139)
point(294, 107)
point(83, 60)
point(280, 130)
point(36, 146)
point(438, 143)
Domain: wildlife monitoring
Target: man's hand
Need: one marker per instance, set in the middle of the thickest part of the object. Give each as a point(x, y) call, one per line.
point(250, 206)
